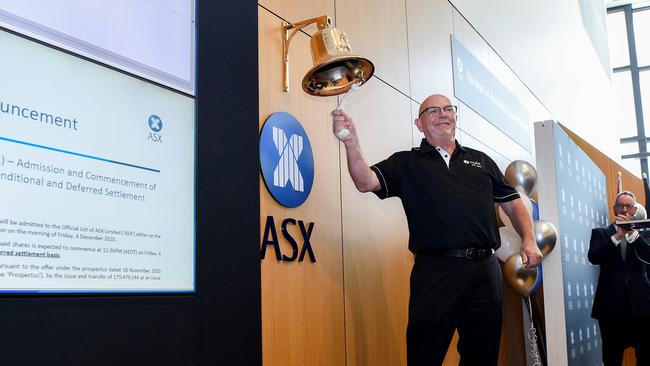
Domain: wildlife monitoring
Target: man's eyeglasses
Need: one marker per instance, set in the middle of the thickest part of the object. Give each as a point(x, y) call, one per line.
point(435, 111)
point(628, 207)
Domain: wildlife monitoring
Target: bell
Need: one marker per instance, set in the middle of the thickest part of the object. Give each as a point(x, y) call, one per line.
point(335, 68)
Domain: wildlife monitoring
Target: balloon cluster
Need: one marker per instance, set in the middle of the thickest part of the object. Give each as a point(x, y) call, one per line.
point(525, 281)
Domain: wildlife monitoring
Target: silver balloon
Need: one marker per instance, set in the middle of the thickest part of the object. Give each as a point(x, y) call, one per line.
point(518, 277)
point(522, 175)
point(545, 236)
point(640, 213)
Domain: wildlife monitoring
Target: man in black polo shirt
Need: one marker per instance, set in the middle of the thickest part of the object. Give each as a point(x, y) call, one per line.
point(447, 191)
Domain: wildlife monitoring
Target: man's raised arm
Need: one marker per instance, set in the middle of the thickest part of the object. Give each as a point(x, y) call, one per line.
point(364, 178)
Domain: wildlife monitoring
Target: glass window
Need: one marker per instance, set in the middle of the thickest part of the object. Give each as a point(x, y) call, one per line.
point(622, 84)
point(631, 165)
point(642, 36)
point(617, 36)
point(644, 81)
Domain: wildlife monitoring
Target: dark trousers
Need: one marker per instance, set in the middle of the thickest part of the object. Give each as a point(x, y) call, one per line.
point(450, 294)
point(619, 334)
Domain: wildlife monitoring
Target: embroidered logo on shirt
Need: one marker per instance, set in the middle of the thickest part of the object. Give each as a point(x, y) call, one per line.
point(475, 164)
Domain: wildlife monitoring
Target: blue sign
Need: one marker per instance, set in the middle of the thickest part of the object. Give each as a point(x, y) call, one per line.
point(582, 204)
point(480, 90)
point(286, 159)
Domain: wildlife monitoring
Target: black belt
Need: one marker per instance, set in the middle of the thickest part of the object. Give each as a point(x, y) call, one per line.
point(471, 253)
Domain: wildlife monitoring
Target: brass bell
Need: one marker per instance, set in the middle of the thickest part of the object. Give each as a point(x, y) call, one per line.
point(335, 68)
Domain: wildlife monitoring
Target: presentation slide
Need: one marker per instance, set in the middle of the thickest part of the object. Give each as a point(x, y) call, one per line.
point(96, 177)
point(154, 39)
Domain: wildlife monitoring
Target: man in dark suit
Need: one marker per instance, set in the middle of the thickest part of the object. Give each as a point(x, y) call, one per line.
point(622, 302)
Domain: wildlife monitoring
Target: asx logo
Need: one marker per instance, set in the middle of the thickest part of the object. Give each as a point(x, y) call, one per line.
point(286, 159)
point(155, 125)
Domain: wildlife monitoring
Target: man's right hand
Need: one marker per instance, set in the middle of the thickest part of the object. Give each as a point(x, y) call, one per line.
point(620, 232)
point(364, 178)
point(341, 121)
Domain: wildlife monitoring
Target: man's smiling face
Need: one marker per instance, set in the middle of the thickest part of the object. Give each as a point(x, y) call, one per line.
point(436, 125)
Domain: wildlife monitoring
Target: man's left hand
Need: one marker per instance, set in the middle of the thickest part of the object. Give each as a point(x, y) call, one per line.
point(531, 256)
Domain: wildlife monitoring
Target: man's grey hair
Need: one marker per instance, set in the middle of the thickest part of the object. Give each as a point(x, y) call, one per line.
point(626, 193)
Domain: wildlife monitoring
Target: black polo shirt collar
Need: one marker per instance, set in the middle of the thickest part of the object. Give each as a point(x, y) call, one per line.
point(426, 147)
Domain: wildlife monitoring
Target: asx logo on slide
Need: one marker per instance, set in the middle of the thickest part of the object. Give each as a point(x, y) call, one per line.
point(286, 159)
point(155, 124)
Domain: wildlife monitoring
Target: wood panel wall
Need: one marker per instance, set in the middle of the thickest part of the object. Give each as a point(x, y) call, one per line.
point(302, 302)
point(350, 308)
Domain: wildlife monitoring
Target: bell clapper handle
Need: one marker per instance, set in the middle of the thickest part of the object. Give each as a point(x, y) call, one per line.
point(343, 133)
